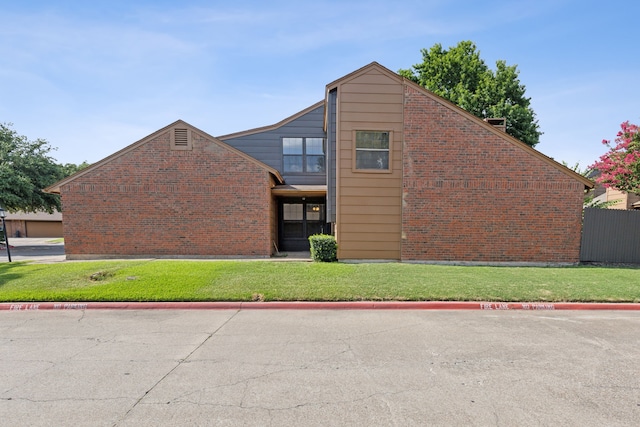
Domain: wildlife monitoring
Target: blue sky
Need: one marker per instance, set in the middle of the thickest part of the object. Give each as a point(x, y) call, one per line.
point(92, 77)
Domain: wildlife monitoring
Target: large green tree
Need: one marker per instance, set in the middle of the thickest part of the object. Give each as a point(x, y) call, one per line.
point(25, 169)
point(461, 76)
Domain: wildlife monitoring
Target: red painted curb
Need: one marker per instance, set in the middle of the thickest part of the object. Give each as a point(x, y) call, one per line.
point(301, 305)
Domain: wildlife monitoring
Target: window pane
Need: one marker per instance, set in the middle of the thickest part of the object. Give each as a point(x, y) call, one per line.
point(292, 211)
point(292, 146)
point(293, 163)
point(315, 228)
point(315, 146)
point(315, 212)
point(372, 139)
point(372, 159)
point(315, 163)
point(293, 229)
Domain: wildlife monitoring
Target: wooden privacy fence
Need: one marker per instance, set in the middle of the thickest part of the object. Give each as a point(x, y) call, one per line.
point(610, 235)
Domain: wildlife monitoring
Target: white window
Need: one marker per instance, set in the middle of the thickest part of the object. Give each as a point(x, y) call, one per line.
point(303, 155)
point(372, 150)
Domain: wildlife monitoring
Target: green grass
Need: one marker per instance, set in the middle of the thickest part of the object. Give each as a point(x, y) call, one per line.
point(305, 281)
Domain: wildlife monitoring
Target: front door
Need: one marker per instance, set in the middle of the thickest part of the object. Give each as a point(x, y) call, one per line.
point(299, 219)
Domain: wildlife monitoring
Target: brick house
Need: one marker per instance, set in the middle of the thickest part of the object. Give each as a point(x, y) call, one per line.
point(394, 171)
point(167, 195)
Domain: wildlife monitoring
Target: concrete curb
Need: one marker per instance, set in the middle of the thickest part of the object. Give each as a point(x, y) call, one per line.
point(303, 305)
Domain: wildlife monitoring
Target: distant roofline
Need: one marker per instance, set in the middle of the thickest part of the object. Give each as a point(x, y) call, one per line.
point(55, 188)
point(274, 126)
point(34, 216)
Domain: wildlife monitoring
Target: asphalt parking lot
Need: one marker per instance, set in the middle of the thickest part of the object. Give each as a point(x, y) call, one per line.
point(319, 367)
point(246, 367)
point(41, 250)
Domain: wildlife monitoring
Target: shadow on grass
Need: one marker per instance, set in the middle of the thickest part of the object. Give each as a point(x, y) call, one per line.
point(612, 265)
point(8, 272)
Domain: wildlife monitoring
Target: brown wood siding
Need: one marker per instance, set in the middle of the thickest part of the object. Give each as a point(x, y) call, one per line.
point(373, 108)
point(369, 211)
point(43, 229)
point(360, 98)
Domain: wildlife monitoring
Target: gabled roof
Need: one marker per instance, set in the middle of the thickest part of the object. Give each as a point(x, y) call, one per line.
point(362, 70)
point(55, 188)
point(274, 126)
point(448, 104)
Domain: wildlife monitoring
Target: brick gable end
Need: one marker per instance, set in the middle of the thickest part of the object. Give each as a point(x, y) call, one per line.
point(471, 195)
point(154, 201)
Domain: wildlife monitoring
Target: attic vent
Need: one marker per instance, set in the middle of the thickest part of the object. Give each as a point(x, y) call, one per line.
point(181, 139)
point(500, 123)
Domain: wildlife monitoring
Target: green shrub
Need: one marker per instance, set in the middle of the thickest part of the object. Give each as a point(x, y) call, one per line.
point(323, 248)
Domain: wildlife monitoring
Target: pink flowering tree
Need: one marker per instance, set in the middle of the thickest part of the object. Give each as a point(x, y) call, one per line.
point(620, 166)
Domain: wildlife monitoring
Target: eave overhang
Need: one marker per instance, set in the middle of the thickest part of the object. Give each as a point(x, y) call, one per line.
point(299, 190)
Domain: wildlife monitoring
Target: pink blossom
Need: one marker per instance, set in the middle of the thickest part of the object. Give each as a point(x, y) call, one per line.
point(620, 166)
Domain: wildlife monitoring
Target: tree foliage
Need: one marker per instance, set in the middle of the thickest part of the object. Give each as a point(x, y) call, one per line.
point(25, 169)
point(620, 167)
point(461, 76)
point(68, 169)
point(590, 200)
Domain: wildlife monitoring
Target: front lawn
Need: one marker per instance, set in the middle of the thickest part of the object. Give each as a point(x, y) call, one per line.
point(304, 281)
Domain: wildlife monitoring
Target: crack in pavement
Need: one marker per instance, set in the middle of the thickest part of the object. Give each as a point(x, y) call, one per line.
point(51, 364)
point(185, 397)
point(241, 405)
point(180, 363)
point(64, 399)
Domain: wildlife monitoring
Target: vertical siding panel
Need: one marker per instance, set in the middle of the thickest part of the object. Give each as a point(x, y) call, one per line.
point(610, 235)
point(371, 100)
point(331, 156)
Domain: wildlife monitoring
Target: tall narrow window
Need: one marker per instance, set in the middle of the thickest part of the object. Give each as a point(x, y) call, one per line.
point(372, 150)
point(303, 155)
point(314, 154)
point(292, 152)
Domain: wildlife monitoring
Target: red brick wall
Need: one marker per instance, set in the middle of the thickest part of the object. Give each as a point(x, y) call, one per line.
point(469, 195)
point(154, 201)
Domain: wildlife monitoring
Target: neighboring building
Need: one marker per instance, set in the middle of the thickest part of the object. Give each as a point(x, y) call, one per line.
point(394, 171)
point(618, 199)
point(39, 224)
point(621, 199)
